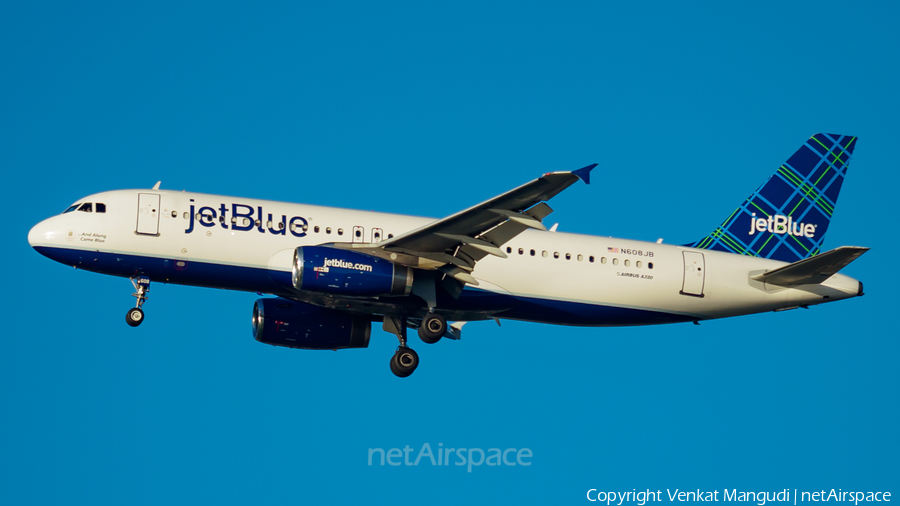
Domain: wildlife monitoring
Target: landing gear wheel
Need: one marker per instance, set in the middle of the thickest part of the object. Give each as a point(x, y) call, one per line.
point(432, 328)
point(134, 316)
point(404, 362)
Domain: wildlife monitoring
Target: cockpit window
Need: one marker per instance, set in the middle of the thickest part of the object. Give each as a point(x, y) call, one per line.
point(71, 208)
point(86, 207)
point(100, 208)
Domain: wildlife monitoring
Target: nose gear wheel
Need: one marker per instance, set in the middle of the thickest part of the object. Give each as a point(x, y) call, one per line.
point(135, 315)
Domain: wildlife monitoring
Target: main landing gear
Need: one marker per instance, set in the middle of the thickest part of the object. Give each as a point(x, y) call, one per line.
point(135, 315)
point(405, 360)
point(432, 328)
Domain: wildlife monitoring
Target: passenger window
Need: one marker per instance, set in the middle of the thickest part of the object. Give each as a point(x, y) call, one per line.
point(86, 207)
point(186, 215)
point(508, 249)
point(340, 231)
point(627, 263)
point(280, 225)
point(591, 259)
point(521, 251)
point(580, 258)
point(390, 236)
point(638, 264)
point(233, 220)
point(316, 229)
point(556, 254)
point(358, 233)
point(649, 265)
point(615, 261)
point(602, 260)
point(71, 208)
point(568, 256)
point(532, 252)
point(327, 230)
point(544, 254)
point(101, 208)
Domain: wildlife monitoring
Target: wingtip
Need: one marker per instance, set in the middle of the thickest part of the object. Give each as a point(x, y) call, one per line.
point(584, 173)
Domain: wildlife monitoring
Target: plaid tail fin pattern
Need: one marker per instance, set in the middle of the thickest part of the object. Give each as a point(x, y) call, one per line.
point(786, 218)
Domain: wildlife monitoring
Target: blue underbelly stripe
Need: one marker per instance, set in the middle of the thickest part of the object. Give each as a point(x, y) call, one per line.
point(255, 279)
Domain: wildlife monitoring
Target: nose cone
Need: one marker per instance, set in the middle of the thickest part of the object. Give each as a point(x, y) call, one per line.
point(33, 234)
point(42, 234)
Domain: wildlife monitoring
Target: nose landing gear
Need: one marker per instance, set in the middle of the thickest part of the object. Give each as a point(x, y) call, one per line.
point(135, 315)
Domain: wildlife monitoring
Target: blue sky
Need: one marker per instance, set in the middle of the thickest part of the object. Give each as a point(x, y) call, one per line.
point(427, 109)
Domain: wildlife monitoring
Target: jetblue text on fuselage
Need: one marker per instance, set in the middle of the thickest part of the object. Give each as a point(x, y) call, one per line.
point(245, 218)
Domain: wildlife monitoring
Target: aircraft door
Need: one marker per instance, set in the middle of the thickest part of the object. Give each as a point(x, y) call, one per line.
point(377, 235)
point(694, 274)
point(359, 234)
point(148, 214)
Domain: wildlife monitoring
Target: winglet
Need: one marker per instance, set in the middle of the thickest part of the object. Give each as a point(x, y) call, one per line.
point(584, 173)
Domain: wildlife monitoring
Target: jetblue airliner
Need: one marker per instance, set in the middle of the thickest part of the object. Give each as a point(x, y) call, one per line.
point(333, 272)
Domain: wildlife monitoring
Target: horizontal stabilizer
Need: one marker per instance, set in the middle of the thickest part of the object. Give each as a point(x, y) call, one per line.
point(813, 270)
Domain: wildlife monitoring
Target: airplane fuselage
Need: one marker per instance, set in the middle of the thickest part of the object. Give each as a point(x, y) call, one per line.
point(548, 277)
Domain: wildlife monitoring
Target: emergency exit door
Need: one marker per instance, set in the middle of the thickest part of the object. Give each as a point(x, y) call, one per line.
point(148, 214)
point(694, 274)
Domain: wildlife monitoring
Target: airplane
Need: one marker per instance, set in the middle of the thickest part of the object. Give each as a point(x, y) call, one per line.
point(333, 272)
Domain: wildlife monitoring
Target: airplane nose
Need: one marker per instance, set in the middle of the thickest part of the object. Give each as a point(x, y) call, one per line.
point(40, 234)
point(33, 235)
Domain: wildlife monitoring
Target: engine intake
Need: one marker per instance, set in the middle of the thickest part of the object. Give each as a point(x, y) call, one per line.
point(344, 272)
point(282, 322)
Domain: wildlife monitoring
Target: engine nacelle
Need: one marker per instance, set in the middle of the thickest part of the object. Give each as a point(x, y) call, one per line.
point(345, 272)
point(282, 322)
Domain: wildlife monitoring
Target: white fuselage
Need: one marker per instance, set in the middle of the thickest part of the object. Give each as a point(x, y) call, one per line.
point(553, 277)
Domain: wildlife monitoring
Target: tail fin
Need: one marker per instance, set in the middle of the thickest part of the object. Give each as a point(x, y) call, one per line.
point(786, 218)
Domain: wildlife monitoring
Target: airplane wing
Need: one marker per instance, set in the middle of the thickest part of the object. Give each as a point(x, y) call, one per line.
point(454, 244)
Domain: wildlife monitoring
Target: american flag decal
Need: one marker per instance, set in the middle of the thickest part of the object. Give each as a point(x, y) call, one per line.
point(612, 250)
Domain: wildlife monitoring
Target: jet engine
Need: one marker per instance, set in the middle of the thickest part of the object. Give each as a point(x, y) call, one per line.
point(282, 322)
point(345, 272)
